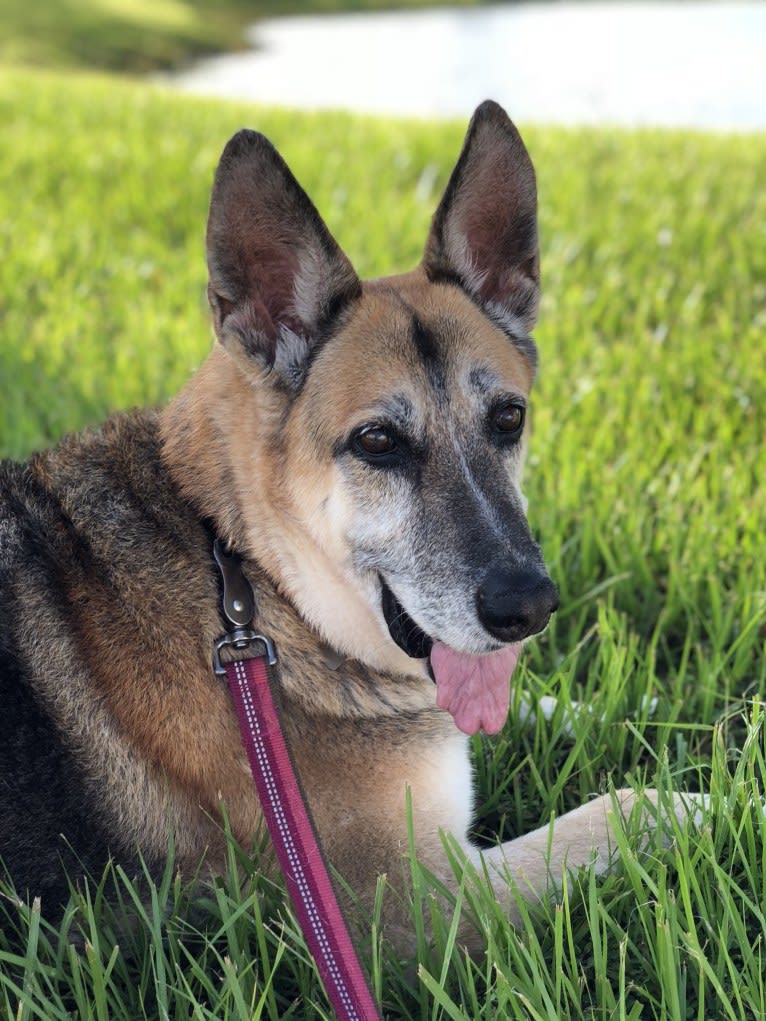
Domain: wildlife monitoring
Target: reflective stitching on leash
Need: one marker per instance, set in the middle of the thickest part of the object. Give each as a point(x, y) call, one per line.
point(255, 700)
point(284, 808)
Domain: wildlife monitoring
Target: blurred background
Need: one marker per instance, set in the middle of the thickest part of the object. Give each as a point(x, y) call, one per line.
point(689, 63)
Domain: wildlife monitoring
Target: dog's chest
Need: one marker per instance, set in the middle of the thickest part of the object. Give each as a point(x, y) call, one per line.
point(445, 786)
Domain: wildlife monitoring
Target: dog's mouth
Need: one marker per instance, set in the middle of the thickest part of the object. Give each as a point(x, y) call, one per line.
point(474, 689)
point(402, 628)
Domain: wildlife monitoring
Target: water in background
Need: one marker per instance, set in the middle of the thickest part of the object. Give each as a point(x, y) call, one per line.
point(663, 63)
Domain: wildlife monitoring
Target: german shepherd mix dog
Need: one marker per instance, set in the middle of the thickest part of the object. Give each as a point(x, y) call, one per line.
point(360, 445)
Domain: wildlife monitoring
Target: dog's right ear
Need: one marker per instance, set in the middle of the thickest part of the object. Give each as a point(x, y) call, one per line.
point(484, 233)
point(277, 277)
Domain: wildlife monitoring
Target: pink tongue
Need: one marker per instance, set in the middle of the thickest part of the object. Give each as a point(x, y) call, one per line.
point(474, 689)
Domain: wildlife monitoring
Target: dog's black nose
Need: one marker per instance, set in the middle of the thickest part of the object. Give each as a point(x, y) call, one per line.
point(513, 604)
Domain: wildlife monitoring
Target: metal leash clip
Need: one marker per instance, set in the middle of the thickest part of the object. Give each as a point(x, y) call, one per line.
point(239, 609)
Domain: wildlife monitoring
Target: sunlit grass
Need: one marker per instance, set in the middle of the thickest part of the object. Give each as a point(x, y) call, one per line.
point(646, 488)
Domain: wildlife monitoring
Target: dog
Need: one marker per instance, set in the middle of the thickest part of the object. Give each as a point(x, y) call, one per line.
point(360, 445)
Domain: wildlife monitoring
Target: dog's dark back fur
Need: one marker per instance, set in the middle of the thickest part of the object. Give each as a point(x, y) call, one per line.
point(71, 605)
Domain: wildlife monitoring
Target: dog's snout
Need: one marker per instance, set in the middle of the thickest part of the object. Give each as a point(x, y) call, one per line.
point(514, 604)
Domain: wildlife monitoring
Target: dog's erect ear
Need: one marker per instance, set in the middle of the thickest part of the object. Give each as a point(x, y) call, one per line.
point(277, 276)
point(484, 233)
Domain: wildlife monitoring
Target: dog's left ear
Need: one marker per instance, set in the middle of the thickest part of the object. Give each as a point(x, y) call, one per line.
point(484, 233)
point(277, 276)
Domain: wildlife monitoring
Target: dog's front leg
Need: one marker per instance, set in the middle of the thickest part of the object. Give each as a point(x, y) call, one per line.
point(532, 864)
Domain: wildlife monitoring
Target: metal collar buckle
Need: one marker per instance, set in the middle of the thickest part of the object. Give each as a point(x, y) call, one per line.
point(239, 609)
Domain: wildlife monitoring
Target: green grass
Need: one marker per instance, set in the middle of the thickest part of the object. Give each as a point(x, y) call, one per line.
point(646, 488)
point(128, 36)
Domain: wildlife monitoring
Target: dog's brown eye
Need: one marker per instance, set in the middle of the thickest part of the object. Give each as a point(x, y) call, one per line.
point(376, 441)
point(509, 419)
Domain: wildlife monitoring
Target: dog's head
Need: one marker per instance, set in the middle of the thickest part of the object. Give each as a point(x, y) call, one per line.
point(396, 429)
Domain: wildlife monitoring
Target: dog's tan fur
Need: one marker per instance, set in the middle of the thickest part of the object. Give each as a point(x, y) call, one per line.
point(106, 548)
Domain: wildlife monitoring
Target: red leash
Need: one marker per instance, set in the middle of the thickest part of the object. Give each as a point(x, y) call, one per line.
point(292, 832)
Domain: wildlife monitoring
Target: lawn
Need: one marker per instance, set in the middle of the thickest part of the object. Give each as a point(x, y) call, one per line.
point(646, 488)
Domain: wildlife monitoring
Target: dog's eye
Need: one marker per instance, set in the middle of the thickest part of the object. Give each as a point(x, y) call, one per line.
point(508, 420)
point(374, 441)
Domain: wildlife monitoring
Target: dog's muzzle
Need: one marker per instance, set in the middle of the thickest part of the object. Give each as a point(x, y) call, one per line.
point(511, 606)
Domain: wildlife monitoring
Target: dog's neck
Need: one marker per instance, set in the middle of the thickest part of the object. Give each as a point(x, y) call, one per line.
point(220, 442)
